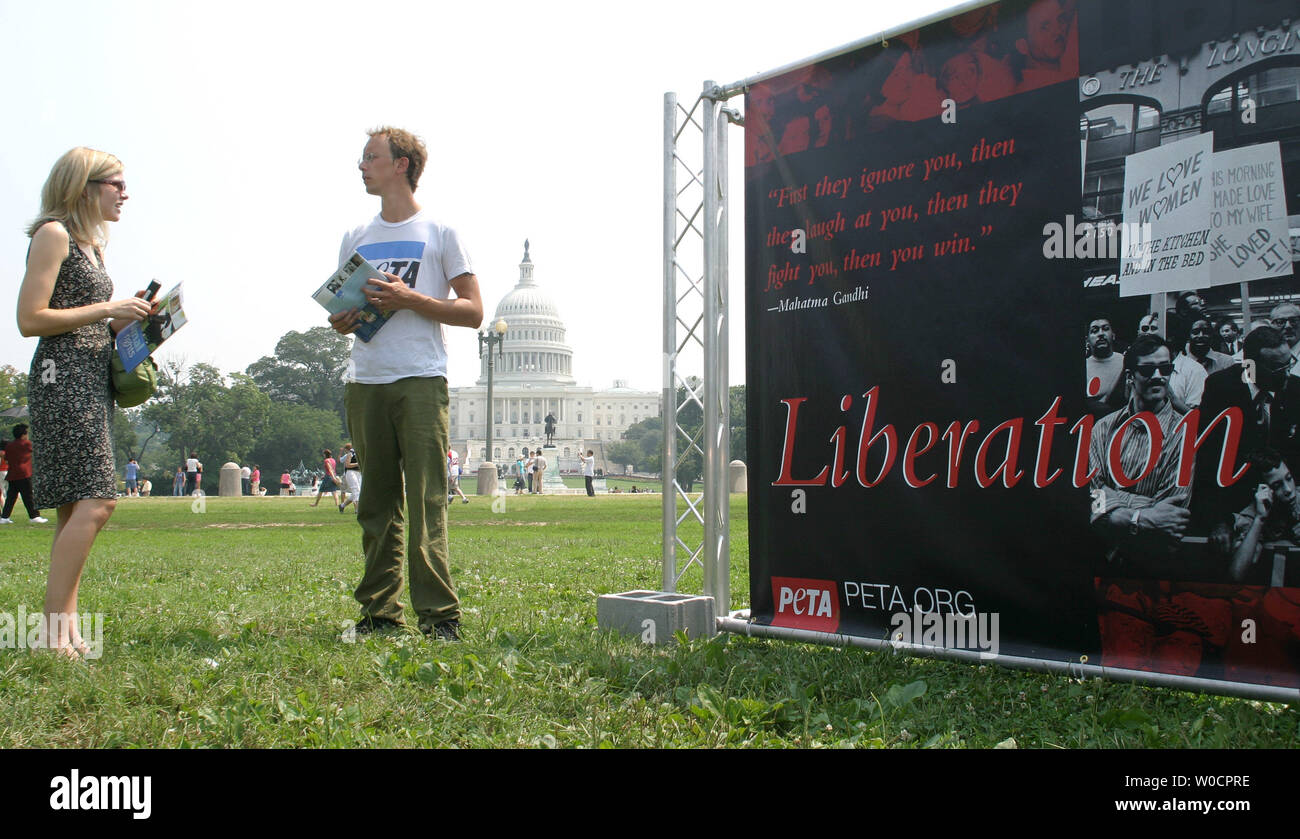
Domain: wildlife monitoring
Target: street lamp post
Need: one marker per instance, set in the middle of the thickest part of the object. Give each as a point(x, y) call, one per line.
point(493, 338)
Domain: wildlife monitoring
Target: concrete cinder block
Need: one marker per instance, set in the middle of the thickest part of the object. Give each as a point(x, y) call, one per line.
point(653, 616)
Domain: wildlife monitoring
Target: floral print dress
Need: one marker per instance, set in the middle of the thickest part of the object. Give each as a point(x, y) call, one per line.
point(70, 394)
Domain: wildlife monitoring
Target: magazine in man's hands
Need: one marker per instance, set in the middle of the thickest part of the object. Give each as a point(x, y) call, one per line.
point(138, 340)
point(345, 290)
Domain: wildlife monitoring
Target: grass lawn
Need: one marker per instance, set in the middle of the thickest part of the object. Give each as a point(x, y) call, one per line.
point(222, 628)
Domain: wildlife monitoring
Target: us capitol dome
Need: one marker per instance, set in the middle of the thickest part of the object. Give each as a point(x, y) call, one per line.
point(533, 378)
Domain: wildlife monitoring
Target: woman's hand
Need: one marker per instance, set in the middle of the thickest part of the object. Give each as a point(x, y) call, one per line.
point(129, 309)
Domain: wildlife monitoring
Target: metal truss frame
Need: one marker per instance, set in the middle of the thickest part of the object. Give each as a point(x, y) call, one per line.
point(695, 320)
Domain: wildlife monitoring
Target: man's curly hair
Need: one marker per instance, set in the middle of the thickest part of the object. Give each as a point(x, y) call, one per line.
point(405, 144)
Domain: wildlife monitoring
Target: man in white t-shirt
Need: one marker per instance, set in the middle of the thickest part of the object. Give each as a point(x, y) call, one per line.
point(193, 474)
point(396, 398)
point(589, 470)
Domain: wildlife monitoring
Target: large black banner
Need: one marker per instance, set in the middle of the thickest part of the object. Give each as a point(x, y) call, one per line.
point(999, 396)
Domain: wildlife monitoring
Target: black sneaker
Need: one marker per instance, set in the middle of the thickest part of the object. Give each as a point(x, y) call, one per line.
point(445, 631)
point(368, 625)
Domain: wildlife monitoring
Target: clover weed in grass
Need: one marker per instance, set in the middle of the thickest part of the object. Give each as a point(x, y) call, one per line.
point(222, 628)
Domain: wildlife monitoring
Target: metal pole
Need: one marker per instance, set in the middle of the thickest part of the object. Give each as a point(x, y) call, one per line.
point(491, 340)
point(715, 525)
point(738, 624)
point(721, 390)
point(668, 461)
point(491, 412)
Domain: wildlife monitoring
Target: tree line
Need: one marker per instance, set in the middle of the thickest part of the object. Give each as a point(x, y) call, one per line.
point(642, 444)
point(283, 409)
point(286, 407)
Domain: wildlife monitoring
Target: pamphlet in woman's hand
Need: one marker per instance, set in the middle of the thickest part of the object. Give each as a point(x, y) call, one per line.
point(345, 290)
point(138, 340)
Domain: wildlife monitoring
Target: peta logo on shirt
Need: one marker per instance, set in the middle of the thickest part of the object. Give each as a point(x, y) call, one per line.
point(805, 604)
point(400, 258)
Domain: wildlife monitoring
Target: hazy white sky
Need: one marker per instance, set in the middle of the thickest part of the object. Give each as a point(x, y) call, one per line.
point(240, 124)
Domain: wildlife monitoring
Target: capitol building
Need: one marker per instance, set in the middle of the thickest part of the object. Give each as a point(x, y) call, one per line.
point(533, 378)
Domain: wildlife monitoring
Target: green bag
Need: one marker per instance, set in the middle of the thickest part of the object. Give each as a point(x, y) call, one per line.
point(134, 387)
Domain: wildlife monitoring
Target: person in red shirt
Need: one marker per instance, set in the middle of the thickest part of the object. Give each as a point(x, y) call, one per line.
point(18, 453)
point(331, 482)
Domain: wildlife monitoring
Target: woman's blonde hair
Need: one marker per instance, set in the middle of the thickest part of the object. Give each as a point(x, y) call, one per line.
point(66, 199)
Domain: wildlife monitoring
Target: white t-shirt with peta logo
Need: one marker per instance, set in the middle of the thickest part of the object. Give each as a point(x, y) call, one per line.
point(427, 255)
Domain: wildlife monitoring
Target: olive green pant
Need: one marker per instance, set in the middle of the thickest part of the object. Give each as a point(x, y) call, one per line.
point(400, 434)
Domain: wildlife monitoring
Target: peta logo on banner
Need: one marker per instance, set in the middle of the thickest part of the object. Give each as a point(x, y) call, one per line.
point(805, 604)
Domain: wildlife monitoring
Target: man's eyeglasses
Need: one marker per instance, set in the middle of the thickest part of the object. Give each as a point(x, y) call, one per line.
point(120, 186)
point(1150, 327)
point(367, 158)
point(1165, 369)
point(1279, 322)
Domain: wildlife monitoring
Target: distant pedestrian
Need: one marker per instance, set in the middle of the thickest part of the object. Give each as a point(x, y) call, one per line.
point(18, 453)
point(246, 478)
point(539, 470)
point(453, 477)
point(132, 477)
point(178, 484)
point(193, 474)
point(256, 478)
point(351, 467)
point(330, 483)
point(520, 473)
point(286, 483)
point(589, 471)
point(530, 466)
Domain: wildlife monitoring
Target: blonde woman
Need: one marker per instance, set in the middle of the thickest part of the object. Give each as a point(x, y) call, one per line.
point(65, 299)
